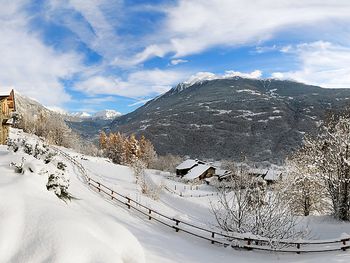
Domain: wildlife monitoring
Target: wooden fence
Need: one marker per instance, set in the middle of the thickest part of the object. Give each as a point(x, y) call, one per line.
point(211, 235)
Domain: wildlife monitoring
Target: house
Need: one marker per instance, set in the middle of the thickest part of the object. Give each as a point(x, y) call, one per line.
point(222, 174)
point(184, 167)
point(269, 175)
point(7, 106)
point(200, 172)
point(194, 170)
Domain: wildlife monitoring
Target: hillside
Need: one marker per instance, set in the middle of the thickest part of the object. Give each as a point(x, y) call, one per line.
point(36, 226)
point(261, 120)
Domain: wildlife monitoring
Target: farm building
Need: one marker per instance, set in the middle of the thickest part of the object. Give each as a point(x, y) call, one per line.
point(7, 104)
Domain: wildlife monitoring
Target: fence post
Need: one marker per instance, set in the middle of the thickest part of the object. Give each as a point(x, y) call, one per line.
point(149, 212)
point(177, 223)
point(298, 247)
point(175, 187)
point(99, 187)
point(128, 202)
point(344, 243)
point(212, 235)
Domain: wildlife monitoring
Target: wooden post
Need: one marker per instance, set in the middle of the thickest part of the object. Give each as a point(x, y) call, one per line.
point(212, 235)
point(99, 187)
point(149, 212)
point(128, 202)
point(344, 243)
point(175, 187)
point(177, 223)
point(298, 247)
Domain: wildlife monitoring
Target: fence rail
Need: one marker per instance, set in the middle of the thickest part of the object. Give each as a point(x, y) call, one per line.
point(211, 235)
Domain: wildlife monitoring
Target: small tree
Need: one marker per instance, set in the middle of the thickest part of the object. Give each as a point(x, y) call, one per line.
point(245, 206)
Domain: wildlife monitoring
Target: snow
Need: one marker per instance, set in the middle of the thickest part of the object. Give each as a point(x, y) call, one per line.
point(188, 164)
point(196, 171)
point(106, 114)
point(36, 226)
point(81, 114)
point(253, 92)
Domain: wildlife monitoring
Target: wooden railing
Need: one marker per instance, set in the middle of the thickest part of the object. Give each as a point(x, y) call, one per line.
point(211, 235)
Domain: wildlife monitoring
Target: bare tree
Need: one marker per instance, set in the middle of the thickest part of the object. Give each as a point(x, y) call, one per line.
point(245, 206)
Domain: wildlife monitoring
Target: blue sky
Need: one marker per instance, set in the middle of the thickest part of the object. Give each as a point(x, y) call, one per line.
point(90, 55)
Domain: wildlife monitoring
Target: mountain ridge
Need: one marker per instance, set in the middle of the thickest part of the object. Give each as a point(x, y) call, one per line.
point(232, 118)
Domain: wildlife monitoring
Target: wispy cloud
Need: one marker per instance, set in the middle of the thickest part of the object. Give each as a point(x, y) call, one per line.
point(138, 84)
point(27, 64)
point(321, 63)
point(193, 26)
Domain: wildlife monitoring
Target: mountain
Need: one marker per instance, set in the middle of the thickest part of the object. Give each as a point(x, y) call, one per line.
point(233, 118)
point(86, 125)
point(106, 114)
point(81, 115)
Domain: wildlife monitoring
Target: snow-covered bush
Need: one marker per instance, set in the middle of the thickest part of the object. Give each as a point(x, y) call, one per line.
point(59, 185)
point(18, 166)
point(54, 167)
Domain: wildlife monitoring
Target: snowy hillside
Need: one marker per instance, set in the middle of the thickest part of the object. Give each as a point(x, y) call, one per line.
point(36, 226)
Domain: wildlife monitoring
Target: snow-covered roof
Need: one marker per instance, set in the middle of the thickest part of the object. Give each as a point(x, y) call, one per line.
point(197, 171)
point(222, 173)
point(188, 164)
point(257, 171)
point(272, 175)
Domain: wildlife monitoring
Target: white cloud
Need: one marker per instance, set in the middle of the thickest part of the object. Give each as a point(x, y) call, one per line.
point(139, 102)
point(178, 61)
point(193, 26)
point(320, 63)
point(27, 64)
point(138, 84)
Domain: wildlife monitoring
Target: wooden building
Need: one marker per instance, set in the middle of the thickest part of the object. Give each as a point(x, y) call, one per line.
point(7, 106)
point(195, 170)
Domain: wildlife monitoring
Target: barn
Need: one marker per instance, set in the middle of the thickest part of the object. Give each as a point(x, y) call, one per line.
point(7, 106)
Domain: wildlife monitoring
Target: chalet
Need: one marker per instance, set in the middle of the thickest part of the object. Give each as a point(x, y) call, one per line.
point(194, 170)
point(200, 172)
point(7, 106)
point(223, 174)
point(269, 175)
point(184, 167)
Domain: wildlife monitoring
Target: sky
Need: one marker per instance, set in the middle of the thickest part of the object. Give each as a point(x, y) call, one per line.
point(91, 55)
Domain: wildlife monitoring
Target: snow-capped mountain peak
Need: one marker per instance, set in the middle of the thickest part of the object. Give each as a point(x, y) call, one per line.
point(81, 115)
point(106, 114)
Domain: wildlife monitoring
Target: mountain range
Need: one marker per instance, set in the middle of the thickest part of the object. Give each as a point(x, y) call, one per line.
point(233, 118)
point(228, 118)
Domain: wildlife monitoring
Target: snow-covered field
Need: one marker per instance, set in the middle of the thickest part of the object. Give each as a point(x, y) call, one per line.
point(36, 226)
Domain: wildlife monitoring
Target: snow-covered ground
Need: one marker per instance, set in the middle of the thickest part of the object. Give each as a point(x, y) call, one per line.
point(36, 226)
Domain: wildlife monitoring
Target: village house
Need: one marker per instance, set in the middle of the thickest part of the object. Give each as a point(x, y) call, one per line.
point(195, 170)
point(7, 105)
